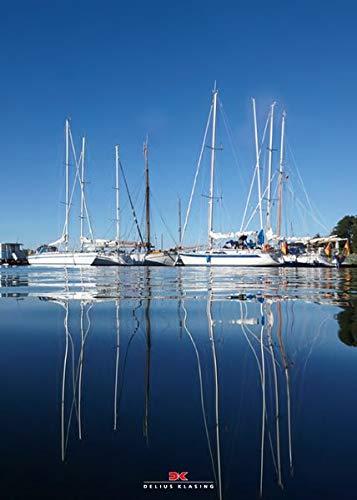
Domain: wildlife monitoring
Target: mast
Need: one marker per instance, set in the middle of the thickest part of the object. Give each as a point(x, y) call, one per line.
point(148, 359)
point(82, 189)
point(281, 165)
point(216, 385)
point(268, 222)
point(117, 324)
point(67, 184)
point(213, 151)
point(179, 221)
point(257, 155)
point(117, 209)
point(147, 196)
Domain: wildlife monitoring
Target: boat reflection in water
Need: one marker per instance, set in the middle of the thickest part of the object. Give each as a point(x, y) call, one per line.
point(204, 370)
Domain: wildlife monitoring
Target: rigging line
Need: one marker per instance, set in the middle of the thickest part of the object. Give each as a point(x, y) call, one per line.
point(74, 399)
point(263, 404)
point(226, 214)
point(255, 173)
point(287, 379)
point(81, 183)
point(131, 202)
point(163, 220)
point(276, 392)
point(249, 342)
point(137, 194)
point(196, 175)
point(230, 137)
point(304, 189)
point(85, 203)
point(249, 330)
point(184, 324)
point(84, 335)
point(248, 198)
point(257, 206)
point(80, 372)
point(258, 340)
point(75, 381)
point(68, 208)
point(136, 328)
point(63, 451)
point(298, 201)
point(244, 330)
point(215, 374)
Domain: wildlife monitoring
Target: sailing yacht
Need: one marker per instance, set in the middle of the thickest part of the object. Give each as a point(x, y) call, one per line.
point(303, 251)
point(238, 250)
point(314, 252)
point(146, 255)
point(49, 254)
point(113, 254)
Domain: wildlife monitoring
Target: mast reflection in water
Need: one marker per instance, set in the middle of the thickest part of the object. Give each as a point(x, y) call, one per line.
point(244, 379)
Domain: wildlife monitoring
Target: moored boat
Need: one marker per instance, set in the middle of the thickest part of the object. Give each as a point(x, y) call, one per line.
point(51, 255)
point(254, 257)
point(238, 251)
point(160, 258)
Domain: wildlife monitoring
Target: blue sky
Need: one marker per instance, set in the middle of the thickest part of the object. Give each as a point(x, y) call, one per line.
point(121, 70)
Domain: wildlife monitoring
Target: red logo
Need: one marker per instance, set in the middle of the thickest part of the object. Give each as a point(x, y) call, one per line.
point(175, 476)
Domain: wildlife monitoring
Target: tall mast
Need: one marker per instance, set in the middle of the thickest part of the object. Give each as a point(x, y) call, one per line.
point(67, 184)
point(281, 166)
point(117, 209)
point(179, 221)
point(147, 196)
point(213, 151)
point(268, 223)
point(82, 189)
point(257, 155)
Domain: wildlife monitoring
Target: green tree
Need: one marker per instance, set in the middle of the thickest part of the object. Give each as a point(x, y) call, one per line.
point(354, 236)
point(347, 320)
point(347, 228)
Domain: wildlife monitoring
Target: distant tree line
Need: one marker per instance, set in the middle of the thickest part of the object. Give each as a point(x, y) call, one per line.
point(347, 228)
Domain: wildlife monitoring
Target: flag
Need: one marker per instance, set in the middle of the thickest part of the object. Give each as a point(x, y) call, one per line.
point(284, 248)
point(328, 250)
point(347, 249)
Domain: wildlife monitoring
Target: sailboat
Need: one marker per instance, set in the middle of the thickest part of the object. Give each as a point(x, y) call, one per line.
point(304, 251)
point(146, 254)
point(242, 247)
point(113, 255)
point(49, 254)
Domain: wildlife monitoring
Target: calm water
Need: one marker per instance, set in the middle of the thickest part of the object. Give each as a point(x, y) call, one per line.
point(244, 379)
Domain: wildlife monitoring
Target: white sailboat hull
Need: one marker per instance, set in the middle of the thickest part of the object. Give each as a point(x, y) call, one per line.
point(155, 258)
point(308, 259)
point(240, 258)
point(160, 259)
point(62, 259)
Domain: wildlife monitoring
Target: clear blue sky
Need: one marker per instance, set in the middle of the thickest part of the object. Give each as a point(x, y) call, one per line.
point(122, 69)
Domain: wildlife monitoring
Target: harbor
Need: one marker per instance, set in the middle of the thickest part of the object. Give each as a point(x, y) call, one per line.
point(260, 240)
point(178, 250)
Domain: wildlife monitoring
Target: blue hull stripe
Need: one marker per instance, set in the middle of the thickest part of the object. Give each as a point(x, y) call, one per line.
point(212, 256)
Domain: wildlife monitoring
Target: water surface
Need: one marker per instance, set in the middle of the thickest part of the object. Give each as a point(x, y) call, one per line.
point(244, 379)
